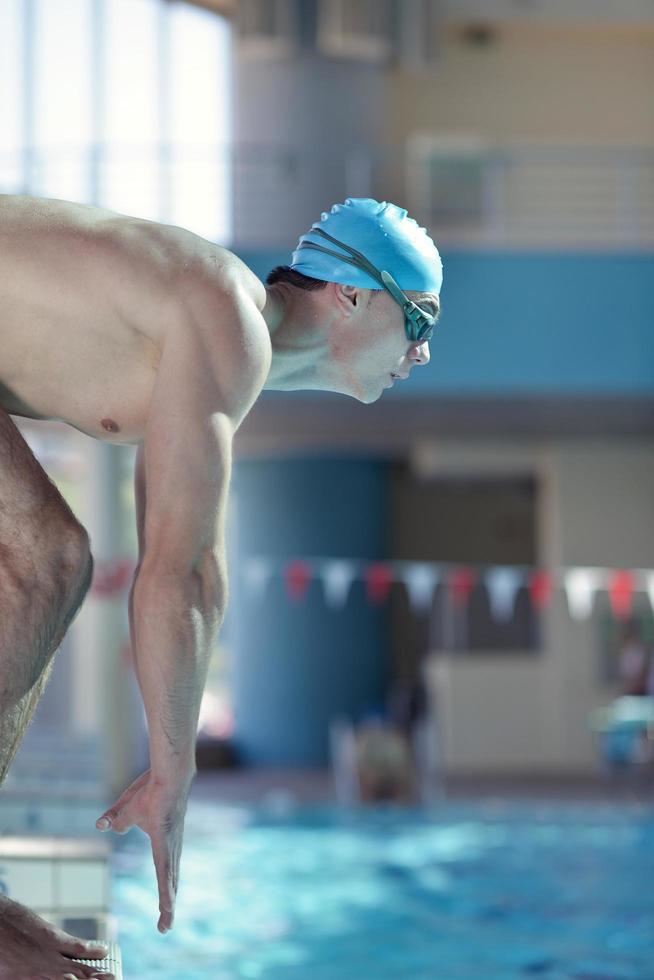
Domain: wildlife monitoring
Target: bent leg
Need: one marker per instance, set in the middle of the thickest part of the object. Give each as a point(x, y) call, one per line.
point(45, 570)
point(17, 708)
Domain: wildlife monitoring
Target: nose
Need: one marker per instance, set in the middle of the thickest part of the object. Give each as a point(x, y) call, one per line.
point(420, 353)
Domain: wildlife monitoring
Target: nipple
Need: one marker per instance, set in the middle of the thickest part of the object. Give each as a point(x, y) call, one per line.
point(110, 425)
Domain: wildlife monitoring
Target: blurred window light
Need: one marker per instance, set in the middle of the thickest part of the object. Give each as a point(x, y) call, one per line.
point(125, 104)
point(200, 119)
point(63, 108)
point(11, 130)
point(131, 70)
point(129, 179)
point(361, 29)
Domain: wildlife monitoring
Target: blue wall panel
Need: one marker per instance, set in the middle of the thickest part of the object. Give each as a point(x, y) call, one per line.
point(298, 665)
point(527, 323)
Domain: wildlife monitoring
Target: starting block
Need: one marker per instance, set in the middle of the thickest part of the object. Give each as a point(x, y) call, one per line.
point(66, 882)
point(112, 963)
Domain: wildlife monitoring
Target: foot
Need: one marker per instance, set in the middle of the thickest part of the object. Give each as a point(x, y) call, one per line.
point(32, 949)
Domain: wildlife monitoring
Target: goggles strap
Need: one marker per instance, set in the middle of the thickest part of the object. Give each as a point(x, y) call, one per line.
point(411, 311)
point(358, 258)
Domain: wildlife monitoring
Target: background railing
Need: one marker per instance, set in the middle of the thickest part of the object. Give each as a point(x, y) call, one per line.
point(556, 196)
point(259, 197)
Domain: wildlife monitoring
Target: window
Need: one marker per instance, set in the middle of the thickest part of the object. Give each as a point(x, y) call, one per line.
point(11, 110)
point(446, 178)
point(200, 189)
point(130, 162)
point(476, 521)
point(268, 28)
point(122, 104)
point(419, 34)
point(361, 29)
point(63, 106)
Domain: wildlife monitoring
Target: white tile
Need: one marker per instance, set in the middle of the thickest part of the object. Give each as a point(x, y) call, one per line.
point(81, 884)
point(30, 881)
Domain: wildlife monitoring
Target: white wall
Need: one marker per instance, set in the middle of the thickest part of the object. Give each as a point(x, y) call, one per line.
point(503, 713)
point(566, 83)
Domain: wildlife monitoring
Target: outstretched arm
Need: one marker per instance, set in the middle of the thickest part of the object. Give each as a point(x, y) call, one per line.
point(211, 372)
point(180, 590)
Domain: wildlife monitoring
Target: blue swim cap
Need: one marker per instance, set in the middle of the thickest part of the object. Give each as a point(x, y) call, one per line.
point(384, 234)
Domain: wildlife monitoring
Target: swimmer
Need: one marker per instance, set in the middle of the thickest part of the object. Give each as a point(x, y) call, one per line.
point(145, 334)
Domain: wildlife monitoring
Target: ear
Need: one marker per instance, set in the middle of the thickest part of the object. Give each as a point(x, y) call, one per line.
point(348, 298)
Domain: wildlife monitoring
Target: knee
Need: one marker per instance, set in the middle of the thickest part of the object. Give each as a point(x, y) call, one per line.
point(75, 558)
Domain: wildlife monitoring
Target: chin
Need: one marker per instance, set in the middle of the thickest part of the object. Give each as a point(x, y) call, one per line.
point(366, 396)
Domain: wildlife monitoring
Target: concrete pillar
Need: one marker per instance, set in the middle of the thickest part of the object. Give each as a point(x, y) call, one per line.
point(305, 128)
point(297, 667)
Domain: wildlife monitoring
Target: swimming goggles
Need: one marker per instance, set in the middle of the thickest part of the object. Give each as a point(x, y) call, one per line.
point(418, 324)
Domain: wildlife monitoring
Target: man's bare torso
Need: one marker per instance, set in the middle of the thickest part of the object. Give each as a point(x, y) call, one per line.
point(87, 297)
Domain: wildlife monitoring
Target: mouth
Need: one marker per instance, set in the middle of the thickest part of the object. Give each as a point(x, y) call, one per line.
point(402, 377)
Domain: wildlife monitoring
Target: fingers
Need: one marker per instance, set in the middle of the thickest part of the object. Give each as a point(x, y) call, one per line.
point(81, 970)
point(82, 948)
point(89, 972)
point(86, 973)
point(116, 820)
point(167, 899)
point(134, 787)
point(87, 976)
point(108, 819)
point(167, 872)
point(96, 951)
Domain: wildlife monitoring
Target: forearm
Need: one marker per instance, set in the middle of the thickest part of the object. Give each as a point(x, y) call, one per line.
point(173, 626)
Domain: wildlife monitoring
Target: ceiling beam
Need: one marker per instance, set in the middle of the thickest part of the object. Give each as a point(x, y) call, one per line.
point(281, 421)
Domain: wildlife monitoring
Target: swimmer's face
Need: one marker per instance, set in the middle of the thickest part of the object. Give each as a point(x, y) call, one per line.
point(378, 345)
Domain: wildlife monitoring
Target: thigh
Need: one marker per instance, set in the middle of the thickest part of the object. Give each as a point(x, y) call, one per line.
point(24, 484)
point(36, 523)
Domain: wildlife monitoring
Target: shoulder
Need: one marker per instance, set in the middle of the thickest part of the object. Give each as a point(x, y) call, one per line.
point(184, 261)
point(205, 273)
point(204, 265)
point(222, 328)
point(223, 302)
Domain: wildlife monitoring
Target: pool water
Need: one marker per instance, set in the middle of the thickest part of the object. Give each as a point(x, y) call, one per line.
point(491, 891)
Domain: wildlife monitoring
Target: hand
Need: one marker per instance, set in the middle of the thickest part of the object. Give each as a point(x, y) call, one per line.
point(158, 810)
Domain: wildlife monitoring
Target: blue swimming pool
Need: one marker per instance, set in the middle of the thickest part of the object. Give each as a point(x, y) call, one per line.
point(491, 890)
